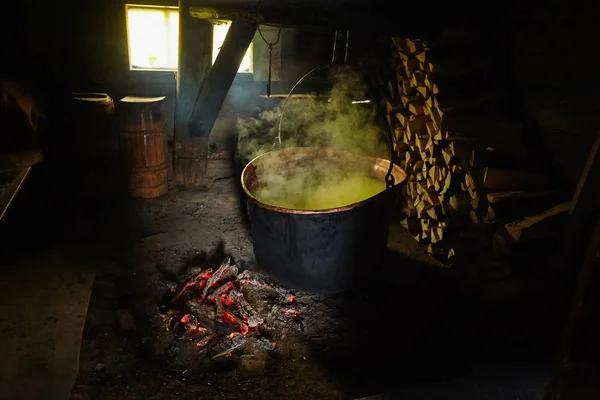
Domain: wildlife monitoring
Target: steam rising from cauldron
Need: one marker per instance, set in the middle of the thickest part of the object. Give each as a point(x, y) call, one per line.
point(332, 121)
point(314, 122)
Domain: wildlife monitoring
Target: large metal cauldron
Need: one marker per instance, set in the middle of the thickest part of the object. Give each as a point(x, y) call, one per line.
point(319, 251)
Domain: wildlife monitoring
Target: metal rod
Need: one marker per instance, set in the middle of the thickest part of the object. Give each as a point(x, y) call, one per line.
point(390, 181)
point(269, 81)
point(335, 36)
point(312, 71)
point(346, 50)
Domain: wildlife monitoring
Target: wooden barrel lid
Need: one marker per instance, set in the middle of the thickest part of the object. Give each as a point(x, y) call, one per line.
point(134, 99)
point(141, 113)
point(92, 97)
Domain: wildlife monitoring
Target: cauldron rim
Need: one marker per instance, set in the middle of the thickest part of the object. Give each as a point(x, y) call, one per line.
point(398, 173)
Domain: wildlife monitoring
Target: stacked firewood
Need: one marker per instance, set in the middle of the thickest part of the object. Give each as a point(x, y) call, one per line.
point(466, 161)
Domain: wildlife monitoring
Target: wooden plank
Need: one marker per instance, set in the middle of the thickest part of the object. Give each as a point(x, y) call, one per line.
point(20, 160)
point(576, 369)
point(327, 15)
point(10, 185)
point(498, 197)
point(195, 58)
point(220, 77)
point(583, 205)
point(579, 352)
point(512, 180)
point(503, 131)
point(540, 225)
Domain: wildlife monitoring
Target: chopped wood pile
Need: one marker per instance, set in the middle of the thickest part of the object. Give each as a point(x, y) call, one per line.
point(466, 160)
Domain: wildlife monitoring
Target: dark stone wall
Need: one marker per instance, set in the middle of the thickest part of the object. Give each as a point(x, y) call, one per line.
point(550, 51)
point(553, 65)
point(60, 48)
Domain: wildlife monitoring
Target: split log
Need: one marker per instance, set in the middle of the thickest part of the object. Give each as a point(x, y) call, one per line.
point(400, 147)
point(418, 79)
point(499, 133)
point(411, 66)
point(406, 88)
point(460, 203)
point(512, 206)
point(460, 100)
point(435, 212)
point(475, 179)
point(431, 196)
point(449, 157)
point(393, 90)
point(410, 99)
point(415, 45)
point(441, 251)
point(411, 224)
point(437, 234)
point(512, 180)
point(436, 118)
point(443, 186)
point(394, 106)
point(422, 208)
point(417, 107)
point(458, 38)
point(480, 204)
point(400, 45)
point(417, 124)
point(499, 197)
point(426, 93)
point(545, 224)
point(496, 159)
point(476, 219)
point(462, 151)
point(443, 63)
point(403, 116)
point(497, 270)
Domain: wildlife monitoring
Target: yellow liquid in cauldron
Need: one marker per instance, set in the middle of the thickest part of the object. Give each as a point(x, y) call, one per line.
point(320, 195)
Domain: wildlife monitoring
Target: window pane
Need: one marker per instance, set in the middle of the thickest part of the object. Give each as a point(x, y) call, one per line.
point(153, 37)
point(219, 33)
point(173, 38)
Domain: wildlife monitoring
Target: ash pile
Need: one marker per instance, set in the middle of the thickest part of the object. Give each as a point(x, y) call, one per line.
point(226, 312)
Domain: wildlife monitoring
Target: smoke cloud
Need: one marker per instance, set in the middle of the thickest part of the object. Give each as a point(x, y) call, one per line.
point(333, 121)
point(316, 122)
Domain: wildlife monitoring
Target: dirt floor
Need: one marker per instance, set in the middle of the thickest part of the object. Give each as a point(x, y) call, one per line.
point(414, 322)
point(409, 328)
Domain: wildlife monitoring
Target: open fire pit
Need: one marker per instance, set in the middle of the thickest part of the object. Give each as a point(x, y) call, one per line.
point(226, 312)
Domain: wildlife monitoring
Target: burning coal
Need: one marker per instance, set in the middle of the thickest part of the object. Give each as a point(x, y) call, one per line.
point(227, 308)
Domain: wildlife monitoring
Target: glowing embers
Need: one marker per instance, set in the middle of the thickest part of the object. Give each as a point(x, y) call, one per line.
point(229, 308)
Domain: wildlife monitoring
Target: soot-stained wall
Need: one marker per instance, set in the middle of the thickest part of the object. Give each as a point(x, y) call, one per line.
point(554, 66)
point(82, 46)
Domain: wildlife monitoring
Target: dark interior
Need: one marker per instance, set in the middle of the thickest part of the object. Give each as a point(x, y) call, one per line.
point(90, 267)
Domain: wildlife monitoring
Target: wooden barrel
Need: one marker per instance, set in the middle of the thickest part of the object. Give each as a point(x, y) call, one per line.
point(92, 144)
point(144, 145)
point(94, 131)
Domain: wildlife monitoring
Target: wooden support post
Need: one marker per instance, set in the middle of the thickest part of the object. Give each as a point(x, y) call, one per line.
point(195, 57)
point(221, 75)
point(576, 374)
point(583, 208)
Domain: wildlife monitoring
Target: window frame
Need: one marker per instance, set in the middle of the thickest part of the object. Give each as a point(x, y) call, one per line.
point(166, 10)
point(239, 74)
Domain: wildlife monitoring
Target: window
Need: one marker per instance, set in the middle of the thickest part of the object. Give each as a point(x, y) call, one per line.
point(153, 37)
point(219, 33)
